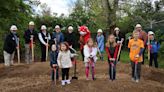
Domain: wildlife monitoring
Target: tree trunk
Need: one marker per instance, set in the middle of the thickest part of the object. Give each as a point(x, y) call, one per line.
point(110, 11)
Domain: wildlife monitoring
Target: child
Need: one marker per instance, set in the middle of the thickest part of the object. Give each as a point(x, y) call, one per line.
point(90, 58)
point(154, 47)
point(136, 47)
point(64, 62)
point(53, 62)
point(112, 51)
point(100, 42)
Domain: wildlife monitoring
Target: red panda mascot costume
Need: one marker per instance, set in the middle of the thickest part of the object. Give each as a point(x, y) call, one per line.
point(84, 36)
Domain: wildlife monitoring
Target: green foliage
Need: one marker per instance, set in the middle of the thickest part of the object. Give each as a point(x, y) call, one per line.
point(160, 38)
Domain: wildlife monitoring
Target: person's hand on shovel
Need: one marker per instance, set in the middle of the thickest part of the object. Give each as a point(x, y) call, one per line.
point(112, 59)
point(46, 45)
point(17, 47)
point(54, 65)
point(137, 56)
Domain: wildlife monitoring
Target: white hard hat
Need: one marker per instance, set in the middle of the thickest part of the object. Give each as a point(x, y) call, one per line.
point(138, 25)
point(117, 29)
point(43, 27)
point(57, 26)
point(13, 27)
point(151, 33)
point(99, 31)
point(70, 28)
point(31, 23)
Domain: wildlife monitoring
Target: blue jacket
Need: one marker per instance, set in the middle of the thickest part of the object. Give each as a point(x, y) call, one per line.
point(53, 57)
point(100, 42)
point(59, 37)
point(154, 46)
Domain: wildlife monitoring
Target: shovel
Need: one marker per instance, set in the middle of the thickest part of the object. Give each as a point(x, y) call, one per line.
point(18, 52)
point(32, 48)
point(75, 77)
point(55, 75)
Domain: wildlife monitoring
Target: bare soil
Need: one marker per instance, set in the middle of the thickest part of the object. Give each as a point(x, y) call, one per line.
point(36, 78)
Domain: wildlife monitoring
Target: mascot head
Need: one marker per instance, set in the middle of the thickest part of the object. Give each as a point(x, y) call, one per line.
point(83, 30)
point(84, 34)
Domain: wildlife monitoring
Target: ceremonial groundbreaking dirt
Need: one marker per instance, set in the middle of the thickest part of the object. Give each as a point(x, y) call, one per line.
point(36, 78)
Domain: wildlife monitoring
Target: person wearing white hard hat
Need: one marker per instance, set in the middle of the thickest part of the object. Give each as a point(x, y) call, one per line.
point(57, 36)
point(118, 38)
point(10, 45)
point(154, 48)
point(30, 36)
point(117, 34)
point(43, 37)
point(142, 36)
point(100, 43)
point(70, 37)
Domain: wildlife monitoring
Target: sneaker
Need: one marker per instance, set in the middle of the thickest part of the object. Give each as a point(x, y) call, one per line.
point(137, 81)
point(68, 81)
point(93, 79)
point(63, 82)
point(87, 78)
point(133, 79)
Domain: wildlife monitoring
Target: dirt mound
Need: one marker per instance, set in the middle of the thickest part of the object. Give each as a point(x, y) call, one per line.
point(36, 78)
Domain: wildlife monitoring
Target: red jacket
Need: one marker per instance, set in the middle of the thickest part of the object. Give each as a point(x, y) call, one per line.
point(115, 52)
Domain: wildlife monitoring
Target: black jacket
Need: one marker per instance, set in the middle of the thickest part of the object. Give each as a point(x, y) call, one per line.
point(53, 57)
point(10, 44)
point(27, 35)
point(70, 38)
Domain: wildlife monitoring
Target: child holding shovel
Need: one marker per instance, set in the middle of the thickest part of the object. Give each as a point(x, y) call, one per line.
point(64, 62)
point(53, 63)
point(112, 50)
point(136, 47)
point(90, 58)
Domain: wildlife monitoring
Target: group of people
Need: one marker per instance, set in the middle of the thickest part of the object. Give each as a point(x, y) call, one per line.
point(62, 57)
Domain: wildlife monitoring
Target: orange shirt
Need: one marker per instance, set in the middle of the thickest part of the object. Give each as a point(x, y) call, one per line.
point(135, 47)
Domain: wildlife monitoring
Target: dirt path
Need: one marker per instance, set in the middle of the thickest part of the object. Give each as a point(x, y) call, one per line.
point(36, 78)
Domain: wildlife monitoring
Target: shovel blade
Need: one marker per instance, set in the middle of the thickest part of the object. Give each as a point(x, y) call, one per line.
point(76, 78)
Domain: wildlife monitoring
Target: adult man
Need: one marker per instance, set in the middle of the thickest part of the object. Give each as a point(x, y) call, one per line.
point(30, 36)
